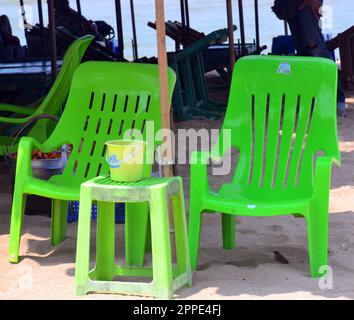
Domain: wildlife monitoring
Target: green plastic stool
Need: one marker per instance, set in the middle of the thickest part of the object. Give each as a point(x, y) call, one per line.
point(166, 277)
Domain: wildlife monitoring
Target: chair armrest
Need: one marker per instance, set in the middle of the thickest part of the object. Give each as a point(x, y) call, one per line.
point(17, 109)
point(322, 179)
point(24, 154)
point(15, 120)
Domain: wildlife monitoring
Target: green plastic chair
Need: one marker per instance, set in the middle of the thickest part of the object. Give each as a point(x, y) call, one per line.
point(282, 116)
point(50, 106)
point(106, 99)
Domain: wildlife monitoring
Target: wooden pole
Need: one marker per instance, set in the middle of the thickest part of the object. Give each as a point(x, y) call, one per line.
point(242, 27)
point(78, 5)
point(183, 20)
point(53, 42)
point(41, 25)
point(230, 26)
point(23, 14)
point(256, 16)
point(162, 58)
point(135, 39)
point(119, 29)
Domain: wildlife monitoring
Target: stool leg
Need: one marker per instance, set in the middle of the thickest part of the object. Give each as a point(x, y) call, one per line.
point(181, 236)
point(83, 243)
point(161, 247)
point(136, 225)
point(148, 247)
point(59, 220)
point(105, 243)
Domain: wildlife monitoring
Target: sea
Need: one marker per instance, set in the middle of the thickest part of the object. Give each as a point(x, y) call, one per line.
point(205, 16)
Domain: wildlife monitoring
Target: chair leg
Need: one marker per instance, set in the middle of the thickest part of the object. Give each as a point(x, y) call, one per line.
point(161, 244)
point(317, 222)
point(194, 228)
point(181, 236)
point(105, 248)
point(228, 222)
point(18, 208)
point(59, 220)
point(82, 267)
point(136, 227)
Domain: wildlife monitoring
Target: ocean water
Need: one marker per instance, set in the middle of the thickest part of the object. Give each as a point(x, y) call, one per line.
point(205, 16)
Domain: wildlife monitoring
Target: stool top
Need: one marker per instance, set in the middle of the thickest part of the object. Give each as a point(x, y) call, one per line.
point(102, 188)
point(145, 183)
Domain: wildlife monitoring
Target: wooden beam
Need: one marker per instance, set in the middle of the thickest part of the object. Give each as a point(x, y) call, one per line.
point(164, 103)
point(230, 26)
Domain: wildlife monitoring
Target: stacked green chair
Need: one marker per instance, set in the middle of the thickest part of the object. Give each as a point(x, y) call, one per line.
point(106, 101)
point(282, 119)
point(38, 119)
point(191, 99)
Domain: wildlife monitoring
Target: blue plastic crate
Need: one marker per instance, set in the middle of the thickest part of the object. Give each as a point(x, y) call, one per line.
point(283, 45)
point(73, 212)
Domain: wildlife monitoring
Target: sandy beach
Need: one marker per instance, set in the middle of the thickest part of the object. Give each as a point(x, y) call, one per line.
point(250, 271)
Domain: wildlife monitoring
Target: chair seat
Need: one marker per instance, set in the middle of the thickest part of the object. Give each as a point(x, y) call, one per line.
point(244, 204)
point(51, 188)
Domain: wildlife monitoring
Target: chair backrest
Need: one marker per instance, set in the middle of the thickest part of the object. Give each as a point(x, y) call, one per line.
point(57, 95)
point(106, 100)
point(282, 114)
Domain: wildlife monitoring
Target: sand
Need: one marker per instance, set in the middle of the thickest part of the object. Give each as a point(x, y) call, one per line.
point(248, 272)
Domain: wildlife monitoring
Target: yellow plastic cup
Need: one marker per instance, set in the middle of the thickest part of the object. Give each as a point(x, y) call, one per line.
point(126, 159)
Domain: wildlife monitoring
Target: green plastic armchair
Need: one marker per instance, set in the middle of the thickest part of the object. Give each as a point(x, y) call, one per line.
point(282, 118)
point(52, 103)
point(106, 101)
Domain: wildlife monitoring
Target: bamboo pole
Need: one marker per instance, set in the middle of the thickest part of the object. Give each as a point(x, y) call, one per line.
point(230, 26)
point(165, 110)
